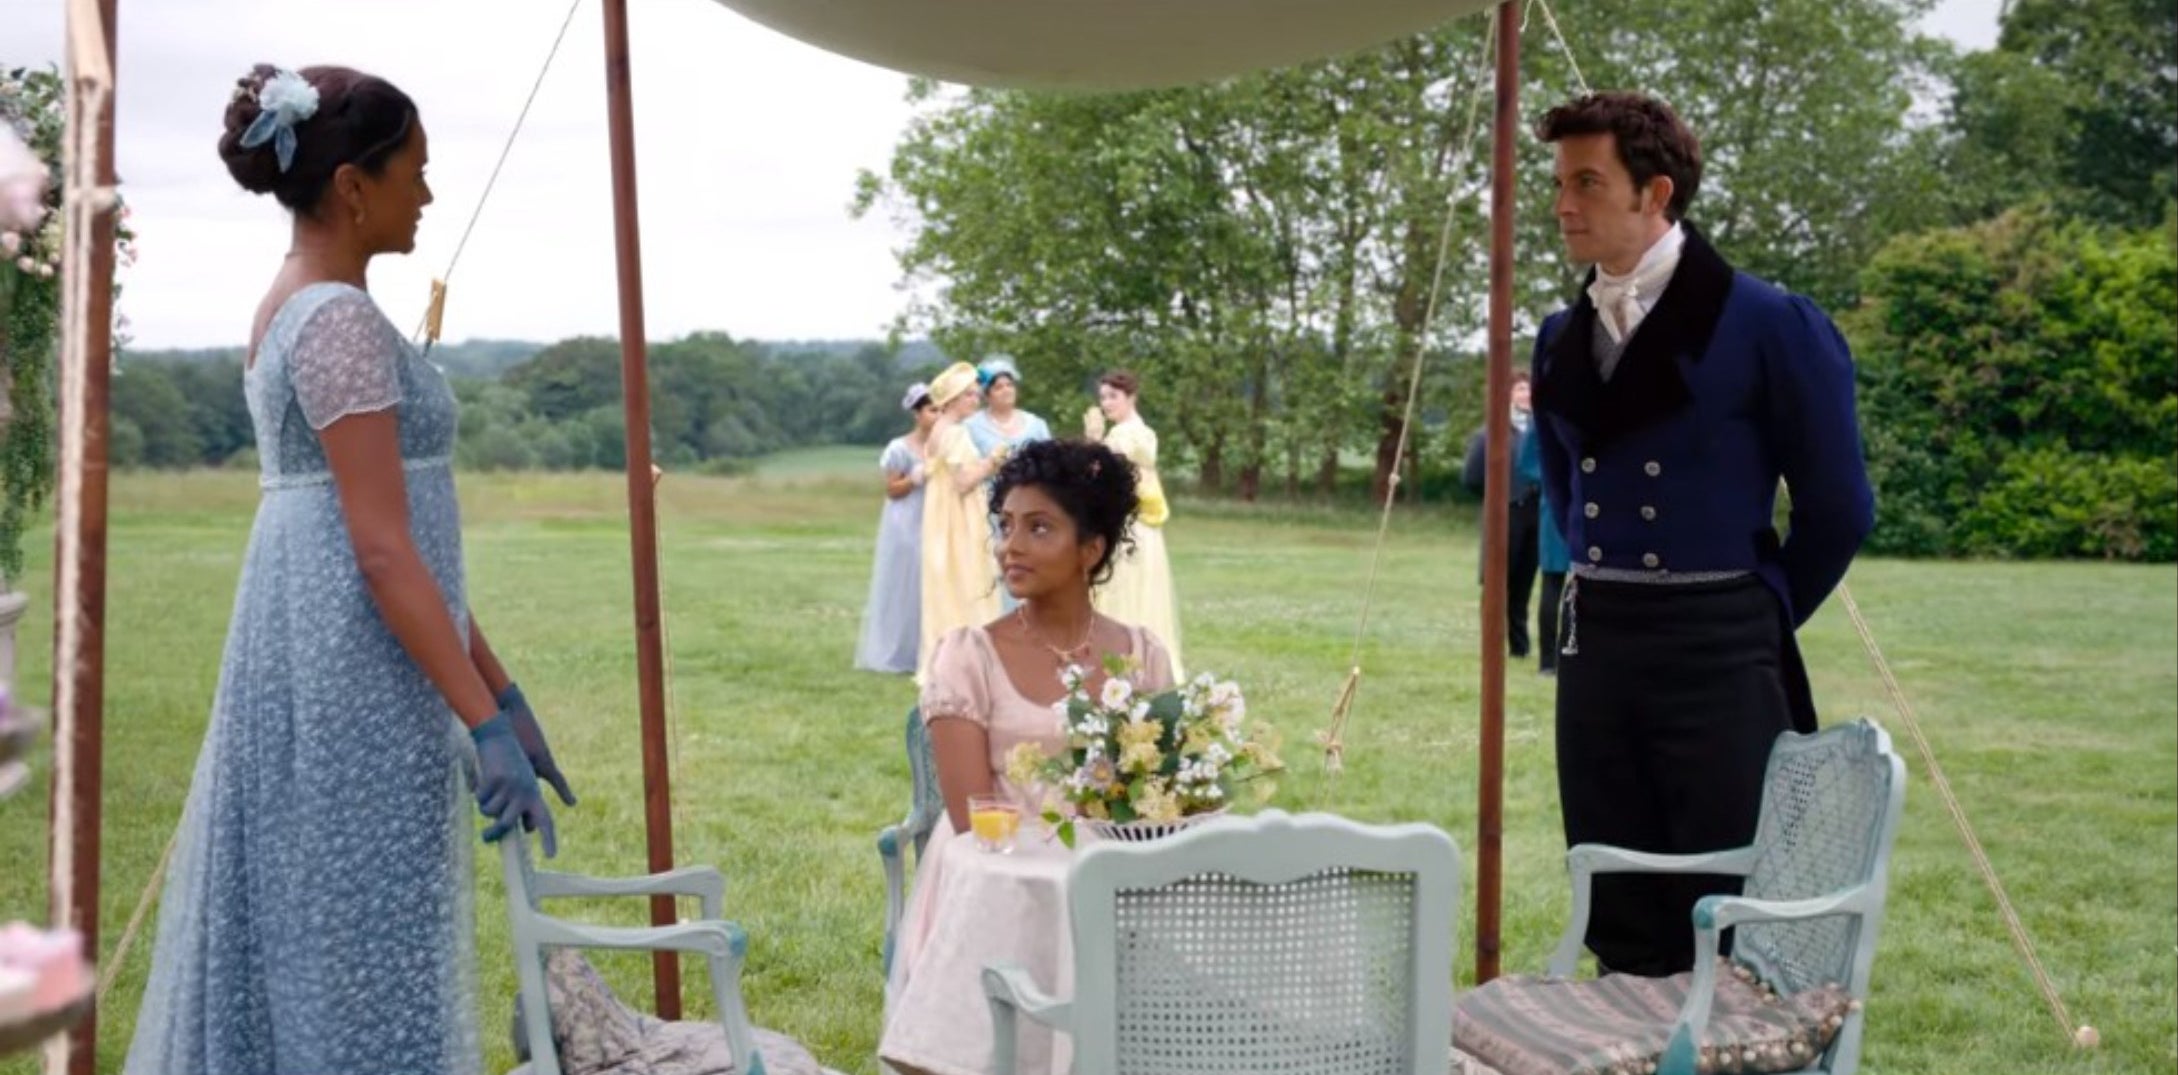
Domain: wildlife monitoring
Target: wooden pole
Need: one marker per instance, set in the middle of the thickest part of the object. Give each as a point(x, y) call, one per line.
point(1496, 510)
point(79, 597)
point(642, 505)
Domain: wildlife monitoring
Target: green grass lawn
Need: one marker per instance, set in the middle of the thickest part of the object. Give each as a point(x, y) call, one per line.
point(2049, 691)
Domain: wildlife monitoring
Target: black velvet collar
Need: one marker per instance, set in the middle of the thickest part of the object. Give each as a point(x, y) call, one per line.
point(1647, 386)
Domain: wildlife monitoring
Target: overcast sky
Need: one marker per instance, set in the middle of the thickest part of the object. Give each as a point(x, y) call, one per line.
point(748, 144)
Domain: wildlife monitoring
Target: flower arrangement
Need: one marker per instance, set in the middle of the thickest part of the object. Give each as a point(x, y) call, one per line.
point(1159, 758)
point(33, 123)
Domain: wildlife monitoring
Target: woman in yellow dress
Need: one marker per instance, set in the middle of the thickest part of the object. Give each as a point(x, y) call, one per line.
point(1140, 590)
point(960, 586)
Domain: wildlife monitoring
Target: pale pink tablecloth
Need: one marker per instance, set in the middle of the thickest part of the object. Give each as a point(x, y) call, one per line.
point(980, 909)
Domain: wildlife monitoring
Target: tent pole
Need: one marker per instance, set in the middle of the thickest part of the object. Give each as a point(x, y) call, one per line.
point(79, 593)
point(1497, 511)
point(642, 504)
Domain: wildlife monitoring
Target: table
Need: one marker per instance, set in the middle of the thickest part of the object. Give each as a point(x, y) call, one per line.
point(984, 908)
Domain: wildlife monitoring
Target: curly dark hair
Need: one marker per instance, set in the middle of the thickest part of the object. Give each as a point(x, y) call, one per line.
point(1650, 138)
point(1093, 484)
point(361, 120)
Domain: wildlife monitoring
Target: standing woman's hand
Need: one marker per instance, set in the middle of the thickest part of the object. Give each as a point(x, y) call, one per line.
point(530, 736)
point(506, 785)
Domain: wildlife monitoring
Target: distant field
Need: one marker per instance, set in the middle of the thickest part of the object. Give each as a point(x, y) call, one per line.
point(832, 461)
point(2049, 691)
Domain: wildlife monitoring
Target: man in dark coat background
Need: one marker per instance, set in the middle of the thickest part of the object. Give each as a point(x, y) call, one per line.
point(1671, 398)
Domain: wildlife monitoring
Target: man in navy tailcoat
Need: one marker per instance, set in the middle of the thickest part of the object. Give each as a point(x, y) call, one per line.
point(1672, 398)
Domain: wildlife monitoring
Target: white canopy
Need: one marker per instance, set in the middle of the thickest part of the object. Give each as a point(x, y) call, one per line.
point(1095, 44)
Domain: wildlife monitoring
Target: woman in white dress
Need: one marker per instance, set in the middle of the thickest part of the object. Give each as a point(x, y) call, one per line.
point(1140, 590)
point(890, 633)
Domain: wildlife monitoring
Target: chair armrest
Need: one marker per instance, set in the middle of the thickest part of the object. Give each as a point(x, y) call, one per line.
point(888, 855)
point(710, 937)
point(1712, 913)
point(1585, 861)
point(1010, 991)
point(1712, 916)
point(702, 882)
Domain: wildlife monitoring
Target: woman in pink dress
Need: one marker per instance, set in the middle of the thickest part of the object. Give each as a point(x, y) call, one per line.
point(1063, 508)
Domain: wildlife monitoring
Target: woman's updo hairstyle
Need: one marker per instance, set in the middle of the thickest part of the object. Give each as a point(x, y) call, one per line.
point(1093, 484)
point(361, 120)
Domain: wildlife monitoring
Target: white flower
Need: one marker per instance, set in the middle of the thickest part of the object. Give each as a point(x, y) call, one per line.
point(22, 184)
point(1117, 693)
point(10, 243)
point(289, 95)
point(1071, 677)
point(1140, 712)
point(26, 264)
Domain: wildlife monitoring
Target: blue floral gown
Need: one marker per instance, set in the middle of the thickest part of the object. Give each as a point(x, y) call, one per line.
point(318, 916)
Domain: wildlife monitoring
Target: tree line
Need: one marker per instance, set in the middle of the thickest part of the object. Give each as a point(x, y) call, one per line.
point(716, 403)
point(1263, 249)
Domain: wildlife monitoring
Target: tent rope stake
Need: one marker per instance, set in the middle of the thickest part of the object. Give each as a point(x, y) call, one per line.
point(1331, 738)
point(2082, 1036)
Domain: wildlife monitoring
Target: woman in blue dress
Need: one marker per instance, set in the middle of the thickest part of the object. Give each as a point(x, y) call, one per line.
point(1002, 427)
point(892, 621)
point(317, 913)
point(1001, 423)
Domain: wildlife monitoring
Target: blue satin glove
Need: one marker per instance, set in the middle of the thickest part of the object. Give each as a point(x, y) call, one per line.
point(530, 735)
point(506, 784)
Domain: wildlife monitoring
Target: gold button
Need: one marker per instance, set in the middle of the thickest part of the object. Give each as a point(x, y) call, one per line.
point(1648, 513)
point(1588, 465)
point(1591, 510)
point(1594, 553)
point(1652, 468)
point(1648, 559)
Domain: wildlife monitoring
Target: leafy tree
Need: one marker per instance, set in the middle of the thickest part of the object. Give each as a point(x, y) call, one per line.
point(1263, 249)
point(164, 418)
point(2019, 387)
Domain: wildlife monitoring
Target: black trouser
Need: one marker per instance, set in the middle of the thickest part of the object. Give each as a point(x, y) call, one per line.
point(1521, 552)
point(1667, 711)
point(1546, 620)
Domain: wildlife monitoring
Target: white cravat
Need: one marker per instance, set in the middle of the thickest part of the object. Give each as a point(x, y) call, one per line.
point(1624, 300)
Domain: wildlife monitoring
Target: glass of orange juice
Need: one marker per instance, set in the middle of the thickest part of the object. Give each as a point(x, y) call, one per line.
point(995, 819)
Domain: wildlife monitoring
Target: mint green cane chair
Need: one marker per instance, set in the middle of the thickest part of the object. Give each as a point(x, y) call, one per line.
point(1271, 943)
point(1817, 875)
point(924, 808)
point(723, 944)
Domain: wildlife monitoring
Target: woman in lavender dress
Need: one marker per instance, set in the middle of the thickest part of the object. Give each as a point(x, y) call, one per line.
point(892, 621)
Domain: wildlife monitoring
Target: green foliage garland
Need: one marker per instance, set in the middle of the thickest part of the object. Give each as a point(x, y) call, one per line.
point(34, 104)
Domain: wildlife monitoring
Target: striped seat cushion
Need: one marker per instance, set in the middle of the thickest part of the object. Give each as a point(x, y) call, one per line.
point(1619, 1024)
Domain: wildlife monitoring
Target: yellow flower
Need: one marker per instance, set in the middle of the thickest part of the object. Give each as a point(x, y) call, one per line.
point(1138, 751)
point(1199, 738)
point(1024, 764)
point(1140, 731)
point(1140, 758)
point(1261, 756)
point(1154, 803)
